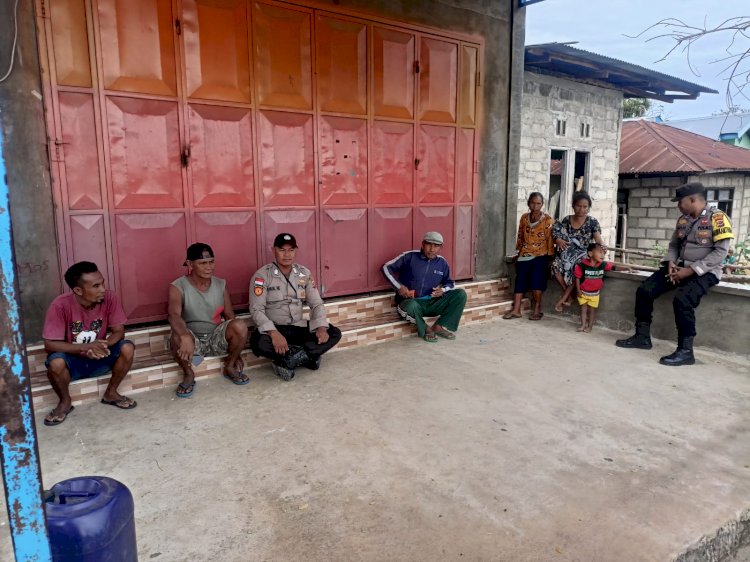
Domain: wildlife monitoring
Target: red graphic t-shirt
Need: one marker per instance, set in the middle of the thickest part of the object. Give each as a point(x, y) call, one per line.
point(591, 276)
point(66, 320)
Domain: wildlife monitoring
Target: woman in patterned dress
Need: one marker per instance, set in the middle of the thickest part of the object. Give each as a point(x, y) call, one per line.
point(572, 235)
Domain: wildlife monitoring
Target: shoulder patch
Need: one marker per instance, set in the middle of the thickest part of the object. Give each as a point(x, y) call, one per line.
point(721, 226)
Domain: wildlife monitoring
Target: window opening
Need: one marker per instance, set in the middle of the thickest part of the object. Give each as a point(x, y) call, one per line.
point(721, 199)
point(580, 173)
point(556, 174)
point(560, 127)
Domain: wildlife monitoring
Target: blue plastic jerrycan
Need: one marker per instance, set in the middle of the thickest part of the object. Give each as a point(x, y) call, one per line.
point(90, 519)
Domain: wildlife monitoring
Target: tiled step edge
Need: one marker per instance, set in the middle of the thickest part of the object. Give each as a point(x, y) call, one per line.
point(169, 374)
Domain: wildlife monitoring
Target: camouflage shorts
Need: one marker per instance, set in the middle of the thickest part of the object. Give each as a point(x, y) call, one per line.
point(214, 343)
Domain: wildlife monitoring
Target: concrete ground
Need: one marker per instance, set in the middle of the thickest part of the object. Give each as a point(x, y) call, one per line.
point(492, 447)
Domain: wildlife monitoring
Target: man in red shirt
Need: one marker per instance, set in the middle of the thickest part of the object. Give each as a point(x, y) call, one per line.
point(76, 339)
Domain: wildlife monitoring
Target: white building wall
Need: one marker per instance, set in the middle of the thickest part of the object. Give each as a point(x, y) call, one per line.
point(547, 99)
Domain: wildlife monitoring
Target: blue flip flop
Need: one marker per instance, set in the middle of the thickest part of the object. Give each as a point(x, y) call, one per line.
point(188, 389)
point(237, 378)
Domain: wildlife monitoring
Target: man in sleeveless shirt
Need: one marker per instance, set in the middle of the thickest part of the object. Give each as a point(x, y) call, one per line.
point(203, 321)
point(278, 292)
point(692, 266)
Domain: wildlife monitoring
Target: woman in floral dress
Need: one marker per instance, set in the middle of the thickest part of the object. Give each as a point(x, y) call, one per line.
point(572, 235)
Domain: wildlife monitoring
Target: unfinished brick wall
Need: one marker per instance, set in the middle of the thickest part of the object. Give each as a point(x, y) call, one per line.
point(547, 99)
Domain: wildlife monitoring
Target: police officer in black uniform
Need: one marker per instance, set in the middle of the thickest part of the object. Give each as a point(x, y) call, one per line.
point(692, 266)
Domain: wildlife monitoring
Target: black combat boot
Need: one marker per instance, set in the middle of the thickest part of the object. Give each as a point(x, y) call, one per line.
point(295, 357)
point(640, 340)
point(282, 372)
point(313, 363)
point(683, 355)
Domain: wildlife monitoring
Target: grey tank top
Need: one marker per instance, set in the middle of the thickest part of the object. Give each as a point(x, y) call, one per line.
point(202, 312)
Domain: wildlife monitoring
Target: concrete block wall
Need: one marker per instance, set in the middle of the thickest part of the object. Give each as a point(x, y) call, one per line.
point(722, 319)
point(652, 214)
point(740, 204)
point(547, 99)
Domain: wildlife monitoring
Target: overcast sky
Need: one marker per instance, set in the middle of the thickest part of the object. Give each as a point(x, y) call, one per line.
point(601, 26)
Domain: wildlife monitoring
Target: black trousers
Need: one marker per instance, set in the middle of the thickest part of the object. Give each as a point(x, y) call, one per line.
point(295, 335)
point(688, 295)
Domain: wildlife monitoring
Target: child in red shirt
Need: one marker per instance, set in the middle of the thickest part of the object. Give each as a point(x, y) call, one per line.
point(589, 276)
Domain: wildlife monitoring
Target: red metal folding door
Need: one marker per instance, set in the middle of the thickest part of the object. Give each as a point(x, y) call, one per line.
point(229, 121)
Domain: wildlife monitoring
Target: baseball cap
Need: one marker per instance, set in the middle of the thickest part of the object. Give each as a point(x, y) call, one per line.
point(692, 188)
point(284, 238)
point(198, 251)
point(433, 237)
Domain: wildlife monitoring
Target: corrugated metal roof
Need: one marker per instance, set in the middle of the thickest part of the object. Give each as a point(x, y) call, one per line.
point(647, 148)
point(715, 126)
point(631, 79)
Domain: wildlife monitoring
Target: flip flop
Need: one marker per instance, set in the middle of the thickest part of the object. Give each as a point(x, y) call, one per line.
point(49, 422)
point(238, 378)
point(430, 338)
point(123, 403)
point(536, 316)
point(510, 315)
point(187, 388)
point(558, 307)
point(445, 334)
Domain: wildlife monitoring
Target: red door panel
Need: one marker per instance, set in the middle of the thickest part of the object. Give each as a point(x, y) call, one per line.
point(343, 236)
point(286, 159)
point(301, 224)
point(81, 163)
point(283, 58)
point(465, 179)
point(438, 80)
point(138, 46)
point(221, 156)
point(342, 65)
point(392, 165)
point(393, 73)
point(150, 252)
point(217, 59)
point(343, 161)
point(355, 135)
point(438, 219)
point(464, 256)
point(435, 172)
point(71, 42)
point(469, 56)
point(89, 242)
point(232, 236)
point(144, 148)
point(390, 235)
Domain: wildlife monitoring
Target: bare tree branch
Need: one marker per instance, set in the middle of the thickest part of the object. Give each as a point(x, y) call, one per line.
point(735, 67)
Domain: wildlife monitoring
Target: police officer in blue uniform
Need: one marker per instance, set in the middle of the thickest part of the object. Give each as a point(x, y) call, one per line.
point(692, 266)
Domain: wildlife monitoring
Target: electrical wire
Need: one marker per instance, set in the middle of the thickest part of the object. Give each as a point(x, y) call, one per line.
point(15, 40)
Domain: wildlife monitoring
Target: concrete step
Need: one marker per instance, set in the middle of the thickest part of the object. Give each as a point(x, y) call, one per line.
point(363, 321)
